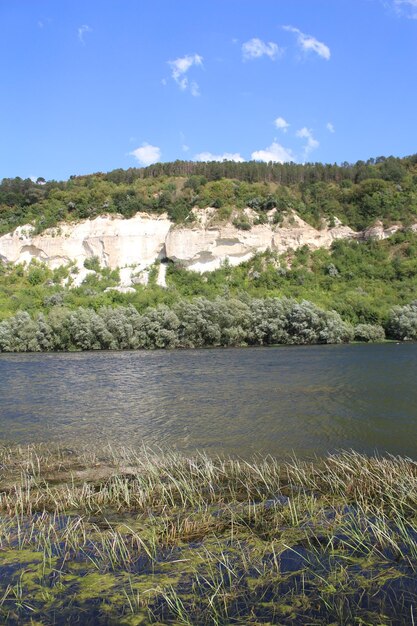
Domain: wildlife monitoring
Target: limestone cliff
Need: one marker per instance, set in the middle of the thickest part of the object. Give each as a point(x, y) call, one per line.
point(133, 245)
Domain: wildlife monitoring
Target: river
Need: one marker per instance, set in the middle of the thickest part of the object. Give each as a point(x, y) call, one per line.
point(303, 400)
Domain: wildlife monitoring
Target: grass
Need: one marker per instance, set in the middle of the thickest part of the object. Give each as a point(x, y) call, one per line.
point(145, 536)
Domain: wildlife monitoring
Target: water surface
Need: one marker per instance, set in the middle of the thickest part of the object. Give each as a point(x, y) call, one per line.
point(305, 400)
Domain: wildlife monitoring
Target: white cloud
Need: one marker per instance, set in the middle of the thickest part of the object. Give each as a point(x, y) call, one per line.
point(180, 68)
point(256, 48)
point(311, 144)
point(309, 43)
point(44, 23)
point(275, 152)
point(330, 127)
point(226, 156)
point(147, 154)
point(82, 31)
point(407, 8)
point(184, 146)
point(195, 89)
point(281, 124)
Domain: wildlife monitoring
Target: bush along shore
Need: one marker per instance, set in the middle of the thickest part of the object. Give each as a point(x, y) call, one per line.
point(197, 323)
point(138, 537)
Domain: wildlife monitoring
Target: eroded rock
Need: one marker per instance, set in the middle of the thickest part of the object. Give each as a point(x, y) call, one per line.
point(134, 244)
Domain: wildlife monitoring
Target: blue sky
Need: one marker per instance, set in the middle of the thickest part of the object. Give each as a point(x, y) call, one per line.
point(93, 86)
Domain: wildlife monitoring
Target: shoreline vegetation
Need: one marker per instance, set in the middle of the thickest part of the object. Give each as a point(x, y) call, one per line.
point(198, 323)
point(146, 536)
point(360, 291)
point(369, 285)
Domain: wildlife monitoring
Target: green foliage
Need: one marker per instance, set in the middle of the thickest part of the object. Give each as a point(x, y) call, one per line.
point(241, 223)
point(92, 263)
point(369, 332)
point(360, 281)
point(402, 322)
point(36, 275)
point(223, 322)
point(382, 188)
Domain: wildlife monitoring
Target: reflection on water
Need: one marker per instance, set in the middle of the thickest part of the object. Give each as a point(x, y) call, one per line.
point(307, 400)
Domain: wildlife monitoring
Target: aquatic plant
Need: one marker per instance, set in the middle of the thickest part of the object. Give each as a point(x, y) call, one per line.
point(144, 536)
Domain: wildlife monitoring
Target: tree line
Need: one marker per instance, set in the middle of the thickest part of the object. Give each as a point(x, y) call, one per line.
point(381, 188)
point(387, 168)
point(193, 324)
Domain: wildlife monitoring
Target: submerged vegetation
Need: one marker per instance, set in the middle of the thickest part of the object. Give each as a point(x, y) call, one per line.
point(138, 537)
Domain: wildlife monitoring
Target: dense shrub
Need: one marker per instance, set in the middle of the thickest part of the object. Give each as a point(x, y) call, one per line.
point(21, 333)
point(309, 324)
point(198, 323)
point(123, 324)
point(402, 322)
point(158, 328)
point(369, 332)
point(222, 322)
point(269, 318)
point(241, 224)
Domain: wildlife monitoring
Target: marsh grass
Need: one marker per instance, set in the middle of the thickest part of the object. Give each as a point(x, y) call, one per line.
point(146, 536)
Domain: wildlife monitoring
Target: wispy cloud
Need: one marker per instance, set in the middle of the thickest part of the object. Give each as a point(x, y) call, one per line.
point(256, 48)
point(330, 127)
point(184, 146)
point(308, 43)
point(226, 156)
point(407, 8)
point(275, 153)
point(195, 89)
point(44, 22)
point(82, 31)
point(147, 154)
point(281, 124)
point(311, 143)
point(180, 67)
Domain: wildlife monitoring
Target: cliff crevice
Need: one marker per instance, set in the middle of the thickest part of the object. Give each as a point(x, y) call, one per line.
point(137, 243)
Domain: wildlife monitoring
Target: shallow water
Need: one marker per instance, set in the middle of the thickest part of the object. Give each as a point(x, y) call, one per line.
point(305, 400)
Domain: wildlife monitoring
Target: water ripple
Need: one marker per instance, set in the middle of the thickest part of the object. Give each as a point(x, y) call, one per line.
point(308, 400)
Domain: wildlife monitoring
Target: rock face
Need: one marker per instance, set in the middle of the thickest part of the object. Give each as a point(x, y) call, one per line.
point(377, 231)
point(114, 241)
point(205, 249)
point(133, 245)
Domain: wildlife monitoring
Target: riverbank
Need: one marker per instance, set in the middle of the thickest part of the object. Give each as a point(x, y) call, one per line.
point(198, 323)
point(140, 536)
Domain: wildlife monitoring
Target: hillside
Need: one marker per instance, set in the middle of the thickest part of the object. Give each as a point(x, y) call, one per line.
point(220, 212)
point(342, 238)
point(356, 194)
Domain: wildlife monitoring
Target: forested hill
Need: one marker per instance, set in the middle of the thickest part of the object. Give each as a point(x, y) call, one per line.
point(357, 194)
